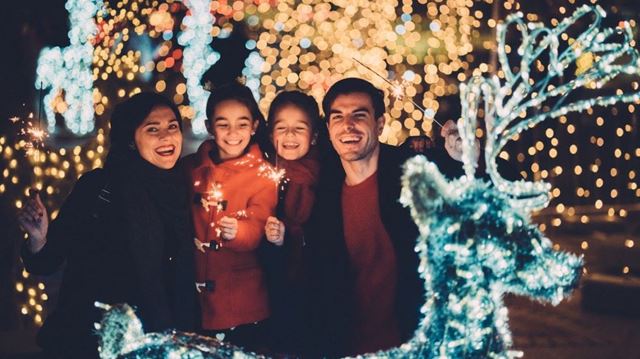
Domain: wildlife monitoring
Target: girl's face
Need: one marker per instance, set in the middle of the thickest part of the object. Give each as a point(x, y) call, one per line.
point(232, 126)
point(159, 139)
point(292, 133)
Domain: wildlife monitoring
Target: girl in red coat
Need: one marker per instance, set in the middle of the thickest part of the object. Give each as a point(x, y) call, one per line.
point(293, 126)
point(232, 199)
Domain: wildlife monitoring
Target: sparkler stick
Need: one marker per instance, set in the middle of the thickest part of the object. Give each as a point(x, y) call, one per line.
point(396, 89)
point(40, 105)
point(278, 181)
point(276, 155)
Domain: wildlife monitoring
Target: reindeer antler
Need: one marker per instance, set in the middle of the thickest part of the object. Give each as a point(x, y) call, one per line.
point(505, 102)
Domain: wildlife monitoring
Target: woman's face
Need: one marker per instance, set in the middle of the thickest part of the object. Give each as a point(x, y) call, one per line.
point(159, 139)
point(292, 133)
point(232, 127)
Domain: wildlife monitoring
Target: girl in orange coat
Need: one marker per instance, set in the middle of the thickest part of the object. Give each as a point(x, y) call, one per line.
point(233, 197)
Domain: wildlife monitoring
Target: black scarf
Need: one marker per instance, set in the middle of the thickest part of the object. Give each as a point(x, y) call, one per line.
point(159, 236)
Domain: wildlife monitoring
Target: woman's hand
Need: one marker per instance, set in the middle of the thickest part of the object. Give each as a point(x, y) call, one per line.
point(274, 229)
point(228, 228)
point(33, 219)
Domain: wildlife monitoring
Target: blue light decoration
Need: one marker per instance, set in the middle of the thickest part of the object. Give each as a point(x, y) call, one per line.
point(252, 69)
point(198, 56)
point(476, 240)
point(67, 71)
point(121, 336)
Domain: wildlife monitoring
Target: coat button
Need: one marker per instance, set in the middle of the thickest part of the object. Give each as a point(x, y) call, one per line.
point(208, 285)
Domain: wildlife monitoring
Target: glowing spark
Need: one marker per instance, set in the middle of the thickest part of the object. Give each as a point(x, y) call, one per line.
point(277, 175)
point(32, 136)
point(213, 198)
point(37, 134)
point(397, 89)
point(241, 214)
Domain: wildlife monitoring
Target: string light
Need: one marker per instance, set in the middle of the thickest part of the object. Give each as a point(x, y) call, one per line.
point(67, 71)
point(198, 56)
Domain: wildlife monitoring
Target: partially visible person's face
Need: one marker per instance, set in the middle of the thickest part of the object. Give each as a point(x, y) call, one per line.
point(292, 132)
point(159, 139)
point(417, 145)
point(420, 144)
point(452, 140)
point(232, 125)
point(353, 128)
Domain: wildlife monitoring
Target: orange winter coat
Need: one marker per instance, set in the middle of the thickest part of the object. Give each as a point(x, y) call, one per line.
point(235, 291)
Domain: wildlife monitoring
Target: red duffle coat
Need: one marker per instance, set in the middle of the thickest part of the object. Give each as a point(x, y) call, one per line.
point(232, 282)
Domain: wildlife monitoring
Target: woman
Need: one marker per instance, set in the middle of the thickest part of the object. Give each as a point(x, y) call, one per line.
point(124, 232)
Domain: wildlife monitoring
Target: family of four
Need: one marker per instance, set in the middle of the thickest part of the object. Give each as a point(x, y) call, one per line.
point(322, 266)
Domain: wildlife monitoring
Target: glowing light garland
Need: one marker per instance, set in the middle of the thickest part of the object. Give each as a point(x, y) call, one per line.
point(67, 71)
point(198, 56)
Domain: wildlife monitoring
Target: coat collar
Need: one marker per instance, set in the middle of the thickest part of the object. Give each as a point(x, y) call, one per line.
point(252, 157)
point(390, 158)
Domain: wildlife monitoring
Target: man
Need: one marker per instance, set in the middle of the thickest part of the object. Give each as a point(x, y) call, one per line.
point(363, 285)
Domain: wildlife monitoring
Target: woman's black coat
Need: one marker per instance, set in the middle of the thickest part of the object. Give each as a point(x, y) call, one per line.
point(118, 247)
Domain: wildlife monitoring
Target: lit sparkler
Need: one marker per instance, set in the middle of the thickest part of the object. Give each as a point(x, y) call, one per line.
point(397, 89)
point(213, 197)
point(32, 136)
point(277, 175)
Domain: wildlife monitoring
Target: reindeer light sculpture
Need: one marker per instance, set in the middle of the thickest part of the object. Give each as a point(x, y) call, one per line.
point(476, 239)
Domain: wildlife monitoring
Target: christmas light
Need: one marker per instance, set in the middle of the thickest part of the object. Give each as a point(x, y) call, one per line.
point(505, 102)
point(198, 56)
point(67, 71)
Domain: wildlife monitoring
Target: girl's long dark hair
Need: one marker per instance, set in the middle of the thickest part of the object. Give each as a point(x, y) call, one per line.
point(306, 104)
point(242, 94)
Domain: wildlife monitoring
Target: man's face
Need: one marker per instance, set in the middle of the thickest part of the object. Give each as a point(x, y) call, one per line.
point(353, 128)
